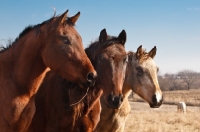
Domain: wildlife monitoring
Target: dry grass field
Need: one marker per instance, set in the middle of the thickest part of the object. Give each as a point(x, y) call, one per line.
point(166, 119)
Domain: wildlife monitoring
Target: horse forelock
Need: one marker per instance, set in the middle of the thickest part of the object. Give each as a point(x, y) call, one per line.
point(93, 48)
point(143, 56)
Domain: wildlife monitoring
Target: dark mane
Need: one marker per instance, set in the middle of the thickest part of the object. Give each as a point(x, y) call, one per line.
point(96, 45)
point(25, 31)
point(74, 92)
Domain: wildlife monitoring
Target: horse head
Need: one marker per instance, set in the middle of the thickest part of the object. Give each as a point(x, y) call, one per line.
point(63, 50)
point(109, 59)
point(141, 76)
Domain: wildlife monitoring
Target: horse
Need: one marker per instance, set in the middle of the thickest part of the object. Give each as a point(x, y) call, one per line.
point(112, 60)
point(181, 107)
point(63, 106)
point(53, 44)
point(141, 77)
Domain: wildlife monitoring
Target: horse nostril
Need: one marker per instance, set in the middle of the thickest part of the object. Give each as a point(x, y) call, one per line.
point(115, 101)
point(156, 103)
point(90, 77)
point(121, 98)
point(154, 100)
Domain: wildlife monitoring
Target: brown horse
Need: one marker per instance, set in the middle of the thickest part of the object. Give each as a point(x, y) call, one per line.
point(63, 106)
point(141, 77)
point(53, 44)
point(112, 61)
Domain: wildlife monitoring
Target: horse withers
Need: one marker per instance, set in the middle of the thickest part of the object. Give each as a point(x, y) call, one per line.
point(63, 106)
point(53, 44)
point(141, 78)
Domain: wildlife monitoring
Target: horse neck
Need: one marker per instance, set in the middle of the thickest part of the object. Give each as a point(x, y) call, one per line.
point(91, 52)
point(26, 66)
point(126, 90)
point(129, 79)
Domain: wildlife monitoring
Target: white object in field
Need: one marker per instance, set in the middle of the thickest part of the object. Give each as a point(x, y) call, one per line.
point(181, 107)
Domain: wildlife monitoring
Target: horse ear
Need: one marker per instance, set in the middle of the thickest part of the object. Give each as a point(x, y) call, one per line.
point(74, 18)
point(61, 19)
point(130, 56)
point(103, 36)
point(139, 51)
point(122, 37)
point(152, 53)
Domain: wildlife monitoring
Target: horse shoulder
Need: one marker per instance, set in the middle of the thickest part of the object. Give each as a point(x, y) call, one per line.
point(113, 120)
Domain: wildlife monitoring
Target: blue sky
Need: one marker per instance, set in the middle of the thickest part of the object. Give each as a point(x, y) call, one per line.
point(171, 25)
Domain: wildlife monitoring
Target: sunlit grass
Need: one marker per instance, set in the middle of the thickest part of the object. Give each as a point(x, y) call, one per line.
point(166, 118)
point(163, 122)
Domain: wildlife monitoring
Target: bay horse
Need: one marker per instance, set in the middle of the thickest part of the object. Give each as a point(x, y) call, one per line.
point(54, 44)
point(63, 106)
point(141, 77)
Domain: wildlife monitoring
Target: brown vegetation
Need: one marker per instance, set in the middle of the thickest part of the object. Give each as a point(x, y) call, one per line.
point(166, 118)
point(183, 80)
point(153, 121)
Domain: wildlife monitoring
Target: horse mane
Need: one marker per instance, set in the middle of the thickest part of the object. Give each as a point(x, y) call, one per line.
point(130, 55)
point(82, 107)
point(96, 45)
point(29, 28)
point(23, 33)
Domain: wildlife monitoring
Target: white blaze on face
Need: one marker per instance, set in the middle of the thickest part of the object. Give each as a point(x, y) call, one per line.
point(158, 96)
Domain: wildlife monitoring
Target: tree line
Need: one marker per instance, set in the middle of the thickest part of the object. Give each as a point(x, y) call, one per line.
point(183, 80)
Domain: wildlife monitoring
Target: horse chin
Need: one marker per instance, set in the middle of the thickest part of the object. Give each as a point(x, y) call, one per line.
point(86, 85)
point(110, 105)
point(83, 85)
point(154, 106)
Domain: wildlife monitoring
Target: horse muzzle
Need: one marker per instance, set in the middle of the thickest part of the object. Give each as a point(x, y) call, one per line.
point(156, 103)
point(114, 102)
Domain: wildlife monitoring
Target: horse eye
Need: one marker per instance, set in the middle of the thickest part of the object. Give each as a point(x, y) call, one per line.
point(125, 60)
point(66, 41)
point(139, 70)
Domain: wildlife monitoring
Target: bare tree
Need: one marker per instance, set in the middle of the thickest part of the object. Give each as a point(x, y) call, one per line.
point(164, 83)
point(172, 80)
point(188, 77)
